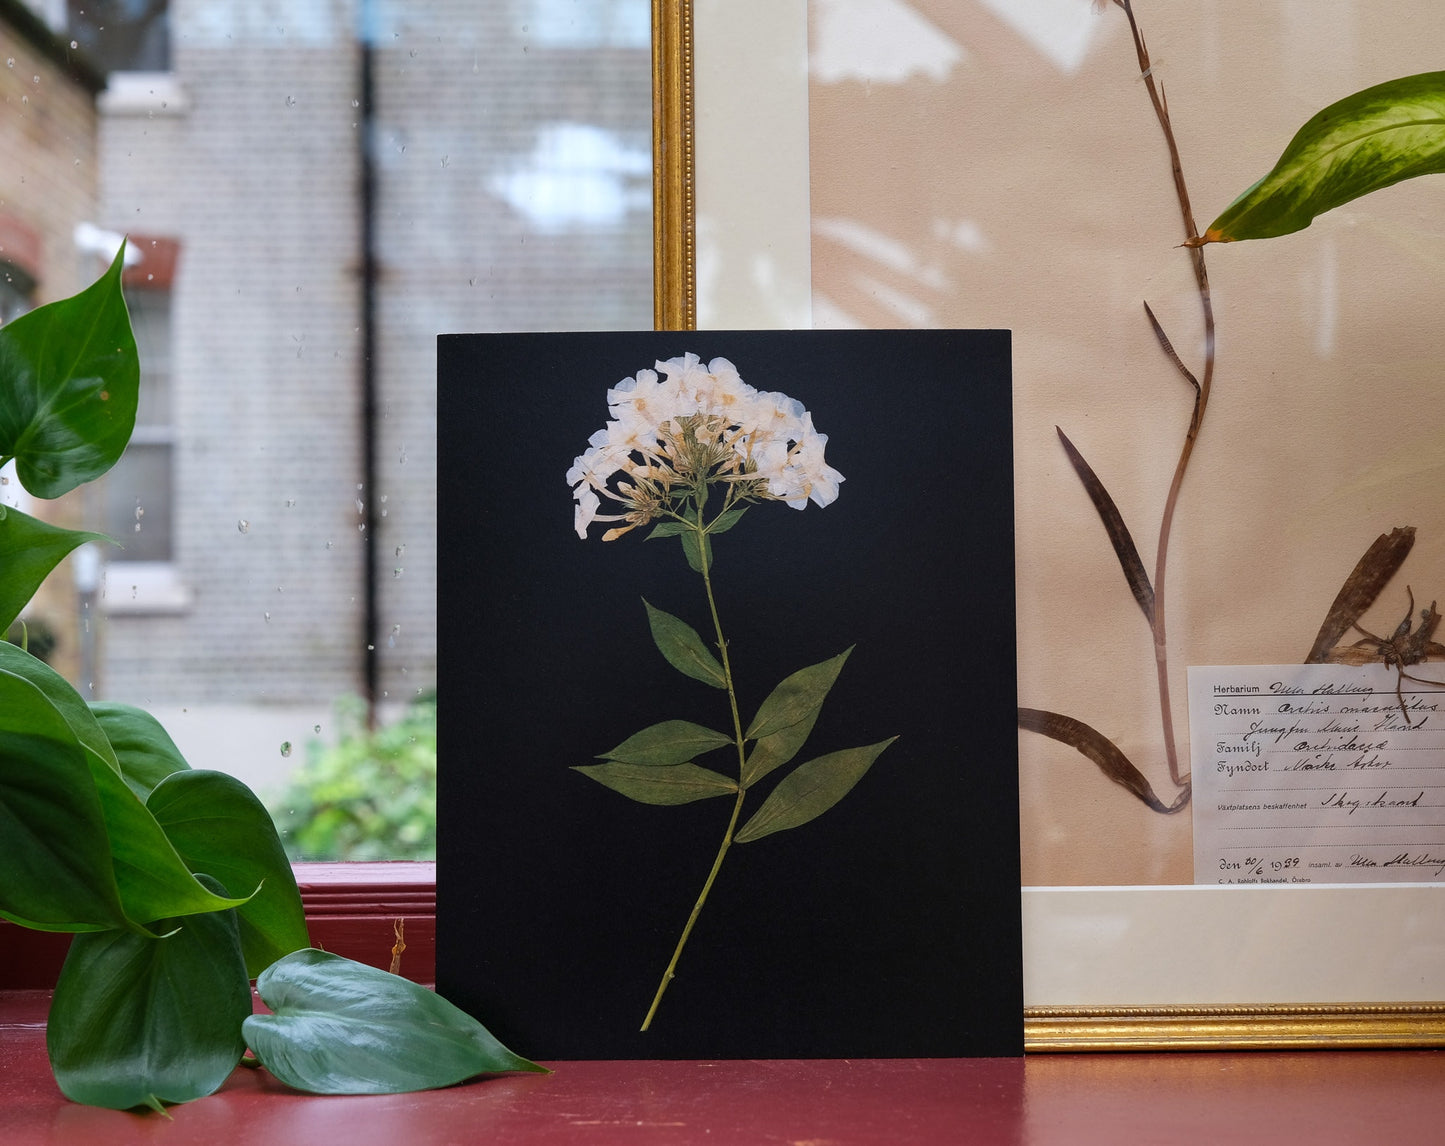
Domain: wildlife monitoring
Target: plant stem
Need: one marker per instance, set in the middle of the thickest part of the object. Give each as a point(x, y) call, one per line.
point(1201, 396)
point(722, 645)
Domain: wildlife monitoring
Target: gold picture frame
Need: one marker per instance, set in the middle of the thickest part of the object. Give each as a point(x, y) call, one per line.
point(1132, 1019)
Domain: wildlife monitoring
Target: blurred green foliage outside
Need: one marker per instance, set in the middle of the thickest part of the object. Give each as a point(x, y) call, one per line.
point(370, 796)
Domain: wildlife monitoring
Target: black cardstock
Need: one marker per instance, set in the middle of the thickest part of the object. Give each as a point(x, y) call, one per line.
point(887, 927)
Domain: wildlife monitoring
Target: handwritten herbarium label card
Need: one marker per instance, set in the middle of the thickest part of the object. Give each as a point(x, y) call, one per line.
point(1317, 774)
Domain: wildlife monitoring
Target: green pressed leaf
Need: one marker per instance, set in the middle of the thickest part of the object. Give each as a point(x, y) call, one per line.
point(810, 790)
point(1376, 137)
point(725, 521)
point(29, 550)
point(697, 548)
point(679, 643)
point(798, 697)
point(218, 826)
point(671, 742)
point(678, 784)
point(785, 720)
point(144, 752)
point(667, 529)
point(63, 697)
point(69, 377)
point(55, 866)
point(340, 1027)
point(139, 1021)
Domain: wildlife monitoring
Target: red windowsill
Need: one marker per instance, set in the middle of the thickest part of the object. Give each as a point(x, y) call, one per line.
point(351, 909)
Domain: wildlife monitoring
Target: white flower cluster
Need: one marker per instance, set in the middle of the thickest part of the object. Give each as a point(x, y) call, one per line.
point(697, 424)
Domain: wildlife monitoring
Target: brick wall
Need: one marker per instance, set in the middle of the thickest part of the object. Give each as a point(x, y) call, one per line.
point(253, 166)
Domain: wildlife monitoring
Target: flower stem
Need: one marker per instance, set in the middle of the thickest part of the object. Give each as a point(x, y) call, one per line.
point(670, 973)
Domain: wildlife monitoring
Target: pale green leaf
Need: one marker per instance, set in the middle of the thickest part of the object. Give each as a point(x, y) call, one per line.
point(679, 643)
point(810, 790)
point(340, 1027)
point(785, 720)
point(671, 742)
point(678, 784)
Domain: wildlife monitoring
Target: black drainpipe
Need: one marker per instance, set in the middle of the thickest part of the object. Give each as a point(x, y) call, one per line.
point(368, 494)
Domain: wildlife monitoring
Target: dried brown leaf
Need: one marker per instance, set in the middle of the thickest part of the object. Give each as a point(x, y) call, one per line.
point(1102, 751)
point(1371, 573)
point(1119, 536)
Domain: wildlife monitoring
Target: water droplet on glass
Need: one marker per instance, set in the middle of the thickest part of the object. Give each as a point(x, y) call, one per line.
point(316, 728)
point(329, 544)
point(267, 616)
point(10, 63)
point(400, 549)
point(397, 572)
point(243, 525)
point(356, 103)
point(290, 101)
point(285, 748)
point(73, 44)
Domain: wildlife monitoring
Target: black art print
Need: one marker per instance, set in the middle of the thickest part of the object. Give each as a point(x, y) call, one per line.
point(728, 774)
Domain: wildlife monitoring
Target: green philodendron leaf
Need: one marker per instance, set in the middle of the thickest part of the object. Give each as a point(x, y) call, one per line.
point(29, 550)
point(55, 866)
point(69, 378)
point(144, 751)
point(671, 742)
point(340, 1027)
point(678, 784)
point(219, 827)
point(63, 697)
point(139, 1021)
point(1376, 137)
point(679, 643)
point(810, 790)
point(154, 881)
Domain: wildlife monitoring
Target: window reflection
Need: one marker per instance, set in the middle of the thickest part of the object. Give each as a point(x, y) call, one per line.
point(287, 322)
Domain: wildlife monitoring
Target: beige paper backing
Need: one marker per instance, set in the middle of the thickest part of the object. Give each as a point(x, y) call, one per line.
point(1015, 192)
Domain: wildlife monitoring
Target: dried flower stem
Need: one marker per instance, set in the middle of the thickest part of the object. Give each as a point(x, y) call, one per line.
point(670, 973)
point(1201, 392)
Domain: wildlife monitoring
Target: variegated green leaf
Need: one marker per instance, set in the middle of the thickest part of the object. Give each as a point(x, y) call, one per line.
point(1376, 137)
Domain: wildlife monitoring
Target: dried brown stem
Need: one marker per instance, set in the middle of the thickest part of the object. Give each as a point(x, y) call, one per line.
point(1201, 397)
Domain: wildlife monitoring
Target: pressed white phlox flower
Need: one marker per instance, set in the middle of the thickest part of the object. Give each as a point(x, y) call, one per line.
point(697, 424)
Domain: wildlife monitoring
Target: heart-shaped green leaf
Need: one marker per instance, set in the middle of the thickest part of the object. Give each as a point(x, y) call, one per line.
point(678, 784)
point(218, 826)
point(679, 643)
point(1367, 141)
point(29, 550)
point(144, 751)
point(139, 1021)
point(340, 1027)
point(55, 866)
point(671, 742)
point(154, 881)
point(69, 378)
point(810, 790)
point(63, 697)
